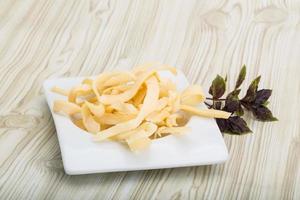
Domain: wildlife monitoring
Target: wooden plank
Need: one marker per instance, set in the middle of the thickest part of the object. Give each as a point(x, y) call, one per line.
point(44, 39)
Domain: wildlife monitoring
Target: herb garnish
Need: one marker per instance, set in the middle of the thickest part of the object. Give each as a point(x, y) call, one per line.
point(255, 101)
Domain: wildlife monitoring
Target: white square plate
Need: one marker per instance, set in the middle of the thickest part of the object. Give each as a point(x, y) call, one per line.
point(203, 145)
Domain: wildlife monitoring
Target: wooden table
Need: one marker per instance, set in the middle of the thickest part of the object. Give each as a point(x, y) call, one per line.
point(47, 39)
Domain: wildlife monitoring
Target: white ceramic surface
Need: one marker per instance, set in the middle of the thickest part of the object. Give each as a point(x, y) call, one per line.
point(203, 145)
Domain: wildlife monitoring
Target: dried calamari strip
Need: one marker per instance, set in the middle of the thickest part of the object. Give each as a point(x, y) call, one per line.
point(125, 108)
point(171, 130)
point(65, 107)
point(127, 95)
point(210, 113)
point(148, 127)
point(148, 106)
point(192, 95)
point(119, 79)
point(84, 89)
point(114, 118)
point(133, 107)
point(60, 91)
point(89, 121)
point(97, 109)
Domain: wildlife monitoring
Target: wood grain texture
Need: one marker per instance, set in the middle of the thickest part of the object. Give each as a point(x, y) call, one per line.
point(42, 39)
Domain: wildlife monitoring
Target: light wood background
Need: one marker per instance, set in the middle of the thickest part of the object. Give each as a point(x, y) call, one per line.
point(40, 39)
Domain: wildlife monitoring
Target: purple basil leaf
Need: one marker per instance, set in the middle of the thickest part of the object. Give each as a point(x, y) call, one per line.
point(233, 125)
point(262, 96)
point(241, 77)
point(251, 92)
point(237, 125)
point(231, 105)
point(262, 113)
point(218, 87)
point(232, 102)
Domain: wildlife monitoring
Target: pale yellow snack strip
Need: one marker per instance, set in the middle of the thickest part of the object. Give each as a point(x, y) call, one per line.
point(148, 106)
point(79, 123)
point(125, 108)
point(139, 145)
point(172, 130)
point(84, 89)
point(88, 120)
point(133, 106)
point(60, 91)
point(120, 79)
point(210, 113)
point(127, 95)
point(140, 140)
point(139, 97)
point(114, 118)
point(161, 103)
point(65, 107)
point(165, 86)
point(148, 127)
point(158, 116)
point(192, 96)
point(171, 120)
point(97, 110)
point(120, 88)
point(127, 134)
point(98, 83)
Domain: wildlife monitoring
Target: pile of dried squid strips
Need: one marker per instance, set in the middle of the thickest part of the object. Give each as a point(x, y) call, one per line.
point(134, 107)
